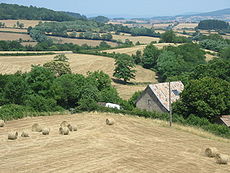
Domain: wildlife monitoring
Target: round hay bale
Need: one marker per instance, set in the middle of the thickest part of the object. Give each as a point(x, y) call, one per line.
point(222, 159)
point(64, 130)
point(72, 128)
point(36, 128)
point(45, 131)
point(109, 121)
point(13, 135)
point(2, 123)
point(64, 124)
point(211, 152)
point(25, 134)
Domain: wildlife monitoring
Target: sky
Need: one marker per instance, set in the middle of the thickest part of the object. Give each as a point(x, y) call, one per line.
point(127, 8)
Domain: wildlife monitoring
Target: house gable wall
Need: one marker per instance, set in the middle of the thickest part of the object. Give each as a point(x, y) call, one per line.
point(148, 101)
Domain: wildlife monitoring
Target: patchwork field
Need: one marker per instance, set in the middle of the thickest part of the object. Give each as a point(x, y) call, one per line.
point(14, 36)
point(141, 39)
point(27, 23)
point(79, 64)
point(13, 30)
point(80, 41)
point(132, 144)
point(186, 25)
point(129, 50)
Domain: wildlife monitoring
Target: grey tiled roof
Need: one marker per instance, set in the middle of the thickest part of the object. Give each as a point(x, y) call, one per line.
point(161, 90)
point(226, 119)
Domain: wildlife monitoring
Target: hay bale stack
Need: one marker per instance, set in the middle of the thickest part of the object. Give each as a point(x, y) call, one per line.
point(45, 131)
point(36, 128)
point(2, 123)
point(211, 152)
point(222, 159)
point(64, 124)
point(109, 121)
point(64, 130)
point(25, 134)
point(13, 135)
point(72, 128)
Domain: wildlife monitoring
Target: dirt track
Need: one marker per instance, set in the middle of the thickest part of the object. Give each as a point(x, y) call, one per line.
point(131, 145)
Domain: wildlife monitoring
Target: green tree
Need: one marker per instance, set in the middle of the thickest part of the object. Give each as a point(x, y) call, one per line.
point(168, 37)
point(206, 97)
point(124, 68)
point(225, 53)
point(168, 64)
point(150, 56)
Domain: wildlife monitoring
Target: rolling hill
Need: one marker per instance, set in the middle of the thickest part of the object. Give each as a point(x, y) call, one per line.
point(132, 144)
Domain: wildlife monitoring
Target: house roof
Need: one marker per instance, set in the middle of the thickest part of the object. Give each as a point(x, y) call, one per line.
point(161, 90)
point(226, 119)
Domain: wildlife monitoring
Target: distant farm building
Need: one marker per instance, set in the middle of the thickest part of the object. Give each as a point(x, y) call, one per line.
point(224, 120)
point(156, 97)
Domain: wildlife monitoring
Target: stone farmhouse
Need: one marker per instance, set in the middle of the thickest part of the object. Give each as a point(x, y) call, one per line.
point(156, 96)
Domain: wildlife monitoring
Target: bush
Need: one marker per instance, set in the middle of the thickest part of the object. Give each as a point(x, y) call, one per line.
point(12, 111)
point(42, 104)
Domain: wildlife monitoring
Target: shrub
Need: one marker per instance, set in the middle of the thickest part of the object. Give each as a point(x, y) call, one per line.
point(12, 111)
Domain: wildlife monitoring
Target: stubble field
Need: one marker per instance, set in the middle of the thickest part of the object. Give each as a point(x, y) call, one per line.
point(132, 144)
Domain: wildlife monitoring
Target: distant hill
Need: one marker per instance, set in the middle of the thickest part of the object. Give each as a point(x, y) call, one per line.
point(223, 14)
point(76, 15)
point(215, 13)
point(13, 11)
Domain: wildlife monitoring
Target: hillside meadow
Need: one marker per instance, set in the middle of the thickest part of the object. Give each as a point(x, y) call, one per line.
point(80, 63)
point(132, 144)
point(14, 36)
point(62, 40)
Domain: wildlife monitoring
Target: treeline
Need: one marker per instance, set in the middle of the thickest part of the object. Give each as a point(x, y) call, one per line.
point(170, 61)
point(213, 24)
point(170, 37)
point(13, 11)
point(89, 29)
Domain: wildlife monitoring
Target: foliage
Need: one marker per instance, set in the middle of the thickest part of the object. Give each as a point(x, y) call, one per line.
point(225, 53)
point(207, 98)
point(150, 56)
point(215, 45)
point(142, 31)
point(58, 67)
point(169, 64)
point(13, 11)
point(217, 68)
point(124, 68)
point(12, 111)
point(101, 19)
point(170, 37)
point(213, 24)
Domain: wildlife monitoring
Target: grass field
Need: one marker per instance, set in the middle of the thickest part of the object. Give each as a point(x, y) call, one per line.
point(81, 41)
point(141, 39)
point(27, 23)
point(81, 64)
point(161, 25)
point(14, 36)
point(13, 30)
point(133, 50)
point(132, 144)
point(186, 25)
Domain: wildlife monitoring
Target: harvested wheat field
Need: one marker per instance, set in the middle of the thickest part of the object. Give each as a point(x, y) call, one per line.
point(81, 41)
point(141, 39)
point(79, 63)
point(132, 144)
point(14, 36)
point(129, 50)
point(27, 23)
point(13, 30)
point(186, 25)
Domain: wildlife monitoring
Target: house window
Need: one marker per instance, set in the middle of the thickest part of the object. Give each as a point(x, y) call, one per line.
point(149, 102)
point(176, 92)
